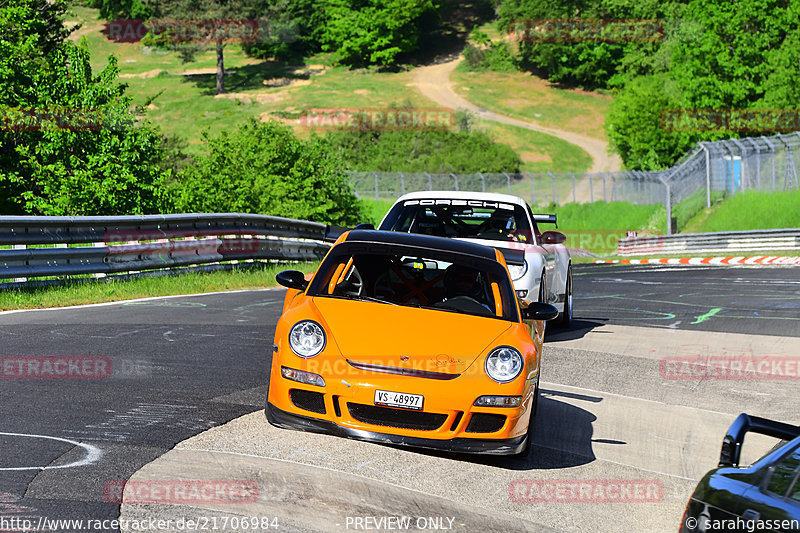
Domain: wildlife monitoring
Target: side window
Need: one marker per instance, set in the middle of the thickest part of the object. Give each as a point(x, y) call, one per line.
point(536, 231)
point(784, 473)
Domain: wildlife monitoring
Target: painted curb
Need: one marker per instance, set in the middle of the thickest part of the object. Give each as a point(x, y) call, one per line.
point(754, 260)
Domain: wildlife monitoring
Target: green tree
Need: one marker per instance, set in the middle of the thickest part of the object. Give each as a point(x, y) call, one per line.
point(188, 14)
point(68, 142)
point(636, 126)
point(263, 168)
point(375, 32)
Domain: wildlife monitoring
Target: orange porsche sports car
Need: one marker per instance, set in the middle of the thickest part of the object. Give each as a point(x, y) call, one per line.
point(408, 339)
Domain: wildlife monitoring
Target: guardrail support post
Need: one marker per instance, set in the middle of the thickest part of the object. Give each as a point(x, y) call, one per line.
point(430, 181)
point(376, 185)
point(455, 180)
point(402, 184)
point(591, 189)
point(483, 182)
point(508, 181)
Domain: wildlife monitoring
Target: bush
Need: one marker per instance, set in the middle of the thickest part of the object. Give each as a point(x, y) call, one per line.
point(495, 56)
point(422, 151)
point(263, 168)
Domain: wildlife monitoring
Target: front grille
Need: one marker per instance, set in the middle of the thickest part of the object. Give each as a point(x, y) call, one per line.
point(308, 400)
point(485, 423)
point(403, 371)
point(396, 418)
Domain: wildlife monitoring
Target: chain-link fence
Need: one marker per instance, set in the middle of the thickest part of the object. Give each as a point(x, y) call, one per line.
point(537, 188)
point(708, 171)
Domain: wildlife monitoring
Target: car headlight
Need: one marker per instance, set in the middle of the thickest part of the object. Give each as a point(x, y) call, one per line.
point(503, 364)
point(307, 338)
point(517, 271)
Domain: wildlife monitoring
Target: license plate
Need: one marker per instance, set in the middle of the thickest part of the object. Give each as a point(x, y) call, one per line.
point(398, 399)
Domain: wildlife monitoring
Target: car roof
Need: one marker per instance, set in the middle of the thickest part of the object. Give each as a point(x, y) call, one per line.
point(422, 241)
point(464, 195)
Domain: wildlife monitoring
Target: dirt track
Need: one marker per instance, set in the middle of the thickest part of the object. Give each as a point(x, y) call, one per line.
point(433, 81)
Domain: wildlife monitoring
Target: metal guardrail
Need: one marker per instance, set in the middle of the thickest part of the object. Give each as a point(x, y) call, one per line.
point(723, 242)
point(66, 246)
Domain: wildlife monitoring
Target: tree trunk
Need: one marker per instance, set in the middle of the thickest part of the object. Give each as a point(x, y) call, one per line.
point(220, 69)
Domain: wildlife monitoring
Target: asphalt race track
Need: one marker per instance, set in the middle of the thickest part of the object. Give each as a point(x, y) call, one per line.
point(184, 371)
point(764, 301)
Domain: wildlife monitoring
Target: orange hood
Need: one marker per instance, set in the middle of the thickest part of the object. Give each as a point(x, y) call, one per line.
point(406, 337)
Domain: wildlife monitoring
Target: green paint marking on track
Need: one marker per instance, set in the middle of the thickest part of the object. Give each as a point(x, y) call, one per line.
point(703, 318)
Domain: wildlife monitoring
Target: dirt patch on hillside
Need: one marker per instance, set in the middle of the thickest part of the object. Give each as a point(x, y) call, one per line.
point(149, 74)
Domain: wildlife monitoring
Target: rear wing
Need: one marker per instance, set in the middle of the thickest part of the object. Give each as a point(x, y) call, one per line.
point(545, 219)
point(732, 443)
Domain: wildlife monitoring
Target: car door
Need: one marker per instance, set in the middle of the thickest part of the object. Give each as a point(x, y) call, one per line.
point(776, 501)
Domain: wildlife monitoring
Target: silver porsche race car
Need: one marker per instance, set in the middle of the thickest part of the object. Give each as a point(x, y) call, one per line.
point(539, 262)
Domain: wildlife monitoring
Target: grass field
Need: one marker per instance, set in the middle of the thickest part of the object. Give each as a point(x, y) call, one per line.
point(526, 97)
point(183, 100)
point(748, 210)
point(111, 290)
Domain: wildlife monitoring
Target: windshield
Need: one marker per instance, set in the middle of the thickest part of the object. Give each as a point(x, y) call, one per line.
point(472, 219)
point(413, 277)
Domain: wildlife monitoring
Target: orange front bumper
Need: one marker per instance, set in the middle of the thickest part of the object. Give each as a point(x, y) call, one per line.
point(448, 419)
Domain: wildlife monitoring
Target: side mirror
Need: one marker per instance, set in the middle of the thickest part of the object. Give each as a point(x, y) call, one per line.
point(553, 237)
point(292, 279)
point(364, 225)
point(539, 311)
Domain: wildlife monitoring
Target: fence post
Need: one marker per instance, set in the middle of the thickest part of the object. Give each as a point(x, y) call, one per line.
point(574, 201)
point(402, 184)
point(613, 186)
point(669, 205)
point(376, 185)
point(483, 182)
point(555, 200)
point(758, 162)
point(455, 180)
point(430, 181)
point(533, 190)
point(508, 181)
point(789, 165)
point(772, 150)
point(742, 166)
point(605, 198)
point(708, 173)
point(591, 189)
